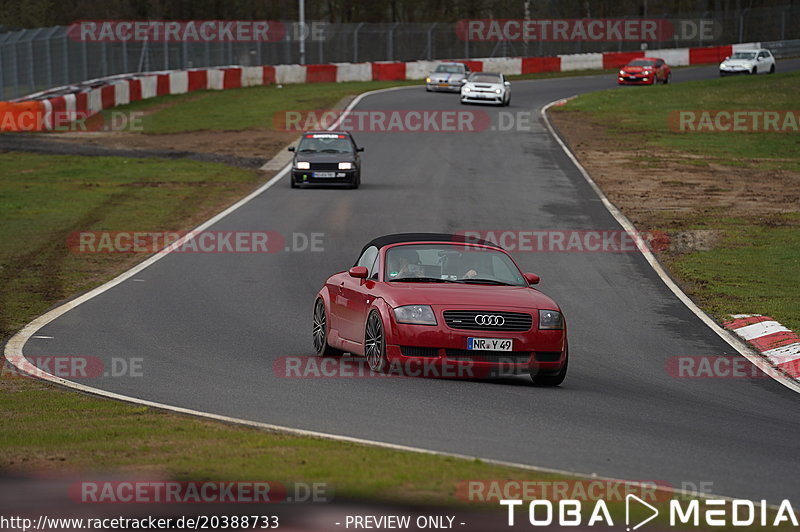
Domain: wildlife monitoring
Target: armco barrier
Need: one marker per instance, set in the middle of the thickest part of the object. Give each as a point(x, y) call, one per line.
point(43, 111)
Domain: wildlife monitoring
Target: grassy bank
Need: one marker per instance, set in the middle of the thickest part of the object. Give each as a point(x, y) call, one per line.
point(741, 187)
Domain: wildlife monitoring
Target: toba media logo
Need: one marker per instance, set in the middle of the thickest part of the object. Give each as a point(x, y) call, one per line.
point(695, 513)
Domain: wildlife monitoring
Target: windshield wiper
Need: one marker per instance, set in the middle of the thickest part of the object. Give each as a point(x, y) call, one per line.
point(485, 281)
point(331, 150)
point(422, 280)
point(307, 150)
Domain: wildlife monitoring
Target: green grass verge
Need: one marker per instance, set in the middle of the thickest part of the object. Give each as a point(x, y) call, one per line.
point(753, 268)
point(245, 108)
point(45, 198)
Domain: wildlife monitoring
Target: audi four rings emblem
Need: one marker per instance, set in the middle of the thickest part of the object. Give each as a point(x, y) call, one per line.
point(490, 319)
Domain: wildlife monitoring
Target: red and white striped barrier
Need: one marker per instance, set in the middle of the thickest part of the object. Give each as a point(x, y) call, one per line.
point(779, 345)
point(55, 108)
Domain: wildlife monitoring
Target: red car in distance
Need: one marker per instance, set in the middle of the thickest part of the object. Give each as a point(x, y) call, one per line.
point(441, 301)
point(644, 71)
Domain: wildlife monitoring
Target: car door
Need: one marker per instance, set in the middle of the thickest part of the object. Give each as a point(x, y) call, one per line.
point(354, 298)
point(763, 62)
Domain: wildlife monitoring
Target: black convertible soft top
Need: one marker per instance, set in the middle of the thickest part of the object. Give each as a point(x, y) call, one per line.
point(399, 238)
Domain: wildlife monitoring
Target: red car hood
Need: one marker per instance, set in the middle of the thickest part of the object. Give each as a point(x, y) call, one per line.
point(468, 295)
point(635, 70)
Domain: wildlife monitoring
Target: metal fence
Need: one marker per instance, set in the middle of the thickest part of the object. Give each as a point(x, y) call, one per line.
point(34, 60)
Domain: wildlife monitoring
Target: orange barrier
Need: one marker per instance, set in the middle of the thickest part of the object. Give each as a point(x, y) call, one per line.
point(22, 116)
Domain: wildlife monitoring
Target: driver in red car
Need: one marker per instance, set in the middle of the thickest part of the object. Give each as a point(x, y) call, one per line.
point(404, 263)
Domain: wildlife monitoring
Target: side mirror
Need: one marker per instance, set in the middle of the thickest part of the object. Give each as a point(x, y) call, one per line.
point(290, 148)
point(532, 278)
point(463, 81)
point(360, 149)
point(359, 272)
point(507, 83)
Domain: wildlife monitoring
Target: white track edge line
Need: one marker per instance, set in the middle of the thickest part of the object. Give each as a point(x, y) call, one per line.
point(757, 360)
point(13, 353)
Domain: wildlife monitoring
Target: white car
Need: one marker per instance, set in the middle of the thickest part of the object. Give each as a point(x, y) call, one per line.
point(486, 87)
point(748, 62)
point(447, 77)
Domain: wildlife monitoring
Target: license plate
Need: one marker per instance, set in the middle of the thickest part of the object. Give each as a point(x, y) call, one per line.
point(443, 85)
point(324, 174)
point(489, 344)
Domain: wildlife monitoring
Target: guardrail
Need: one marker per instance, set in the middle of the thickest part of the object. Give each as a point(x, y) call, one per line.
point(55, 109)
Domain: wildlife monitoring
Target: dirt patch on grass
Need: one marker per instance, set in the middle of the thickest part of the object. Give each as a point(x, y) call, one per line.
point(255, 142)
point(660, 189)
point(261, 143)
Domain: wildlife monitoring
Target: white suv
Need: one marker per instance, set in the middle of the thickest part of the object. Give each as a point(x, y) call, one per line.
point(748, 62)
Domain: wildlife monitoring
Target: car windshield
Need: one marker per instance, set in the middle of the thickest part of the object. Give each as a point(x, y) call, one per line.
point(641, 63)
point(451, 263)
point(744, 55)
point(450, 69)
point(481, 77)
point(325, 143)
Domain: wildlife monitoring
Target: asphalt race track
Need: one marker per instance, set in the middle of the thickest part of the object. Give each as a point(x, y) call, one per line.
point(210, 326)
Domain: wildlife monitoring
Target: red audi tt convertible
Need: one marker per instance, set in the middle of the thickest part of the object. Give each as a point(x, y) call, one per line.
point(440, 301)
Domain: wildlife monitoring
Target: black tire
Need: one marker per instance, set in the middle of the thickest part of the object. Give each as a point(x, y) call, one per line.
point(772, 69)
point(293, 182)
point(356, 181)
point(668, 78)
point(553, 379)
point(754, 71)
point(375, 343)
point(320, 332)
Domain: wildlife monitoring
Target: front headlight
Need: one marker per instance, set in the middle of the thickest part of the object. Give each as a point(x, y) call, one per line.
point(427, 80)
point(498, 91)
point(302, 165)
point(415, 314)
point(621, 72)
point(345, 166)
point(550, 319)
point(466, 89)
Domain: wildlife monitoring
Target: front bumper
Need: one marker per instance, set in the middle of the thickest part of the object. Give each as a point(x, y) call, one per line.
point(440, 351)
point(482, 97)
point(733, 72)
point(444, 86)
point(306, 177)
point(636, 80)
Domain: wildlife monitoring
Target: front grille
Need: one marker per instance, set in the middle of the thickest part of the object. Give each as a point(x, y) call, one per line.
point(324, 167)
point(498, 357)
point(548, 356)
point(411, 351)
point(465, 320)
